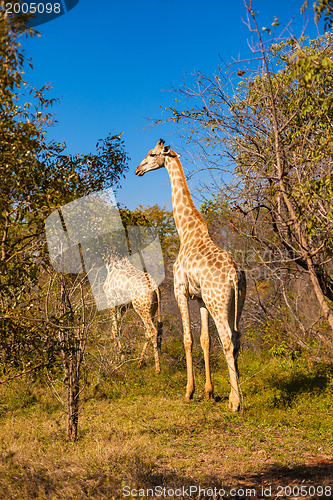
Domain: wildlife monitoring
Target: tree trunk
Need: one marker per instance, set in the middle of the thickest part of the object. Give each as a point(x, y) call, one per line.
point(73, 389)
point(319, 293)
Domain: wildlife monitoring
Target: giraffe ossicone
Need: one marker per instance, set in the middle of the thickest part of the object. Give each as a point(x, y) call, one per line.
point(203, 271)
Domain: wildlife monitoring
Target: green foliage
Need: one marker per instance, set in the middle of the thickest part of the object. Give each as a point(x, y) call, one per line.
point(215, 209)
point(162, 220)
point(303, 101)
point(279, 350)
point(36, 177)
point(290, 382)
point(321, 8)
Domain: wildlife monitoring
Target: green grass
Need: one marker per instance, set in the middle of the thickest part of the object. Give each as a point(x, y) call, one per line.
point(135, 429)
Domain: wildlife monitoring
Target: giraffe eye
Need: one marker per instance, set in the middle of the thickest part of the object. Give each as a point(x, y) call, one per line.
point(152, 154)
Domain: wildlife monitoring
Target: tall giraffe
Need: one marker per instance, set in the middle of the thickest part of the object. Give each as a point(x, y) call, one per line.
point(203, 271)
point(141, 292)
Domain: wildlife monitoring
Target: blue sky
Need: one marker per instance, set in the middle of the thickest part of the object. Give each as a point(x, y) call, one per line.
point(113, 64)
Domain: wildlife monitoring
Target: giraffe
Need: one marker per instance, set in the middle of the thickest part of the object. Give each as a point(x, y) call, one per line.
point(140, 292)
point(202, 271)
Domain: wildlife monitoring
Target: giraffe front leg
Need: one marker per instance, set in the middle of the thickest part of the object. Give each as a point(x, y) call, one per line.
point(182, 300)
point(115, 314)
point(114, 324)
point(205, 345)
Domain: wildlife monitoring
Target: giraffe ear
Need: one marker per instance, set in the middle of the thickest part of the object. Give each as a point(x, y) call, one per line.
point(167, 152)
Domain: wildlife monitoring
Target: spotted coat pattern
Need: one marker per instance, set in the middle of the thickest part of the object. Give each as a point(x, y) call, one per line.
point(203, 271)
point(142, 293)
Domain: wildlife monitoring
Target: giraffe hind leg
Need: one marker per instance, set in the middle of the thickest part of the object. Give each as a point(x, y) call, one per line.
point(143, 352)
point(231, 348)
point(144, 311)
point(153, 339)
point(224, 321)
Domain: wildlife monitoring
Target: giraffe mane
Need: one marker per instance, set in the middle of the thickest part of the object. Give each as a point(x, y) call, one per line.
point(187, 191)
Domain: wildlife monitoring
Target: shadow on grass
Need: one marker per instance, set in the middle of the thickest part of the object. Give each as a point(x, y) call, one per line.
point(271, 482)
point(21, 481)
point(292, 384)
point(316, 479)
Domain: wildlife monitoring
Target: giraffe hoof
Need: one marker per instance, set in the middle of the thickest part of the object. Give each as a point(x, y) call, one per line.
point(234, 406)
point(209, 392)
point(188, 399)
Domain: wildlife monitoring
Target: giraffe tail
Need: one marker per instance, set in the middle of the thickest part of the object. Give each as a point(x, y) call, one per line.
point(159, 322)
point(235, 283)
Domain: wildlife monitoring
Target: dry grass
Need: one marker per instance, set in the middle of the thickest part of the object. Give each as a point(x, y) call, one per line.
point(136, 430)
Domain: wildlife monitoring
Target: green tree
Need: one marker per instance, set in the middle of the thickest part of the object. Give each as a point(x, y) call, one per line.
point(44, 315)
point(162, 220)
point(275, 127)
point(322, 8)
point(36, 177)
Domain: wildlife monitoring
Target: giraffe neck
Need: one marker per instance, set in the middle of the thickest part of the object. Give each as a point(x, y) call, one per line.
point(187, 218)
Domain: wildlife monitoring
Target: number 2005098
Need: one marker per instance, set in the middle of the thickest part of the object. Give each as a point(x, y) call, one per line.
point(33, 8)
point(304, 491)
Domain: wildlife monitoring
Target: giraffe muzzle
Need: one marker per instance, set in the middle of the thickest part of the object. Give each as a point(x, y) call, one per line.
point(139, 171)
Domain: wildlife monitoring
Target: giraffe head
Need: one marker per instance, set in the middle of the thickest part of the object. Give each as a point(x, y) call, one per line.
point(155, 159)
